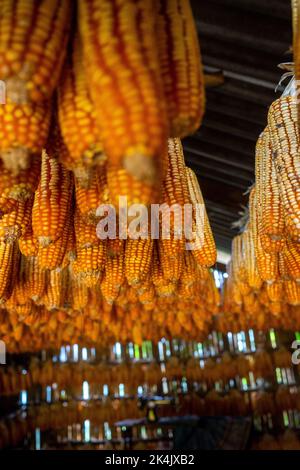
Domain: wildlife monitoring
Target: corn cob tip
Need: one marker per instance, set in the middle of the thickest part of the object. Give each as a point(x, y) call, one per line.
point(16, 90)
point(20, 192)
point(44, 241)
point(11, 234)
point(16, 159)
point(140, 167)
point(83, 176)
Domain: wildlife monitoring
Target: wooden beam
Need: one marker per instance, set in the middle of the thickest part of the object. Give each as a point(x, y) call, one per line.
point(222, 194)
point(237, 144)
point(197, 151)
point(237, 108)
point(272, 8)
point(234, 127)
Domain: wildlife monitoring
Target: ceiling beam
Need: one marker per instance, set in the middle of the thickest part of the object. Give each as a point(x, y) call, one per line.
point(237, 108)
point(232, 126)
point(197, 151)
point(227, 141)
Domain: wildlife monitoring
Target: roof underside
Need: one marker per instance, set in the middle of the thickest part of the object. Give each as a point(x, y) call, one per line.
point(246, 40)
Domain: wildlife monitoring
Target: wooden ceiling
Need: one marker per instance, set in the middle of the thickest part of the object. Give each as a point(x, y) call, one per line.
point(246, 39)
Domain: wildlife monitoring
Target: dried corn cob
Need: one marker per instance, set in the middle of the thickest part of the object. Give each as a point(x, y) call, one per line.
point(275, 291)
point(36, 279)
point(284, 134)
point(181, 66)
point(52, 202)
point(90, 263)
point(28, 244)
point(292, 292)
point(291, 258)
point(189, 269)
point(269, 204)
point(53, 255)
point(283, 271)
point(80, 295)
point(89, 198)
point(133, 125)
point(203, 245)
point(8, 262)
point(23, 133)
point(253, 278)
point(138, 255)
point(85, 233)
point(171, 258)
point(114, 277)
point(33, 39)
point(267, 263)
point(175, 195)
point(55, 296)
point(77, 118)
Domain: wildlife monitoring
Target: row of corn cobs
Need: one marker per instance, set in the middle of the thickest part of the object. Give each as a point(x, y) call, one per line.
point(264, 274)
point(98, 95)
point(58, 416)
point(70, 376)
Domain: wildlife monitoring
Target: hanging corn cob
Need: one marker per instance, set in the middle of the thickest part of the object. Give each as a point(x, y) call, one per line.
point(181, 66)
point(174, 197)
point(53, 198)
point(133, 125)
point(284, 135)
point(269, 205)
point(204, 248)
point(253, 278)
point(77, 119)
point(267, 263)
point(291, 258)
point(292, 292)
point(114, 275)
point(9, 254)
point(88, 199)
point(55, 255)
point(138, 257)
point(89, 263)
point(28, 244)
point(33, 38)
